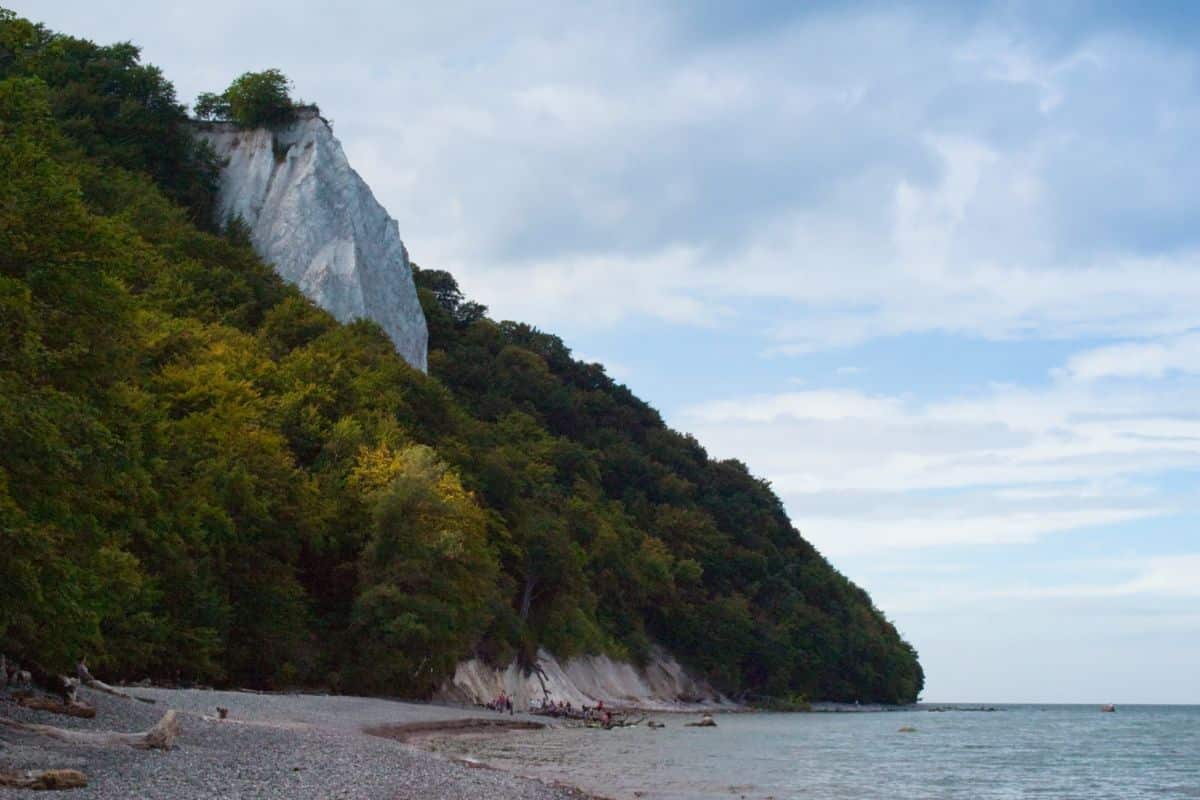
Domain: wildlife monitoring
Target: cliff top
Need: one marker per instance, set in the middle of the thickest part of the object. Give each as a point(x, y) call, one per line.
point(302, 114)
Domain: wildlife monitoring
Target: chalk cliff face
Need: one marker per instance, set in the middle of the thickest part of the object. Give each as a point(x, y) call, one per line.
point(661, 685)
point(313, 217)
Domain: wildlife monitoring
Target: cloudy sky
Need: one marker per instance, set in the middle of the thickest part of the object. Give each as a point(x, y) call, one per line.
point(933, 269)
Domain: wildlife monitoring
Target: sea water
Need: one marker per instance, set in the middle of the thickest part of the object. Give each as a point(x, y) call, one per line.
point(1024, 751)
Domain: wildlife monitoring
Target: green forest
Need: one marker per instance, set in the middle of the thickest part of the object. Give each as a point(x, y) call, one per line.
point(205, 478)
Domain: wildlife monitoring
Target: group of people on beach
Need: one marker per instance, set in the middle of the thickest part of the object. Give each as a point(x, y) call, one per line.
point(501, 702)
point(553, 708)
point(597, 716)
point(567, 710)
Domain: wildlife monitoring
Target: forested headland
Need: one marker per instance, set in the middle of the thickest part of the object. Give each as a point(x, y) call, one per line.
point(204, 477)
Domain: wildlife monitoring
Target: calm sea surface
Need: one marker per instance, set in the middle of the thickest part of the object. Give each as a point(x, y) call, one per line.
point(1016, 752)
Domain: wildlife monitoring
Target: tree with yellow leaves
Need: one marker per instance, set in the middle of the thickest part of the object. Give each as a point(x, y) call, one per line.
point(426, 576)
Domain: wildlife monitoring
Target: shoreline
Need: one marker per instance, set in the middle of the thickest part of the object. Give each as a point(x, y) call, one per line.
point(469, 745)
point(424, 737)
point(274, 747)
point(296, 746)
point(416, 731)
point(310, 747)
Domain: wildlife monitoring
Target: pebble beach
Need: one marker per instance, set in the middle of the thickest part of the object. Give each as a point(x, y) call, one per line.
point(271, 746)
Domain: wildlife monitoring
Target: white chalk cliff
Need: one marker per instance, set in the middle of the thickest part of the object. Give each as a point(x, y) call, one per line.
point(315, 219)
point(663, 684)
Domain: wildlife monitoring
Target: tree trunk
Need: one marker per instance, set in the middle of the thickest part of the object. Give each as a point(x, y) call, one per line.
point(541, 676)
point(72, 709)
point(44, 779)
point(160, 737)
point(52, 683)
point(527, 597)
point(86, 678)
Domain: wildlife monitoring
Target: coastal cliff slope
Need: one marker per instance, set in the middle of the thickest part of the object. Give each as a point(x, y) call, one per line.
point(315, 219)
point(208, 478)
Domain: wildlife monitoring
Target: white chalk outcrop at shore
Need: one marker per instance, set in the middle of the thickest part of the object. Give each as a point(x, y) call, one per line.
point(315, 219)
point(662, 685)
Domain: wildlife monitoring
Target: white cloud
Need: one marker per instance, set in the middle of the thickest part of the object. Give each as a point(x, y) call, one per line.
point(847, 535)
point(616, 370)
point(1163, 580)
point(936, 224)
point(1177, 576)
point(1147, 359)
point(882, 173)
point(599, 290)
point(812, 405)
point(863, 473)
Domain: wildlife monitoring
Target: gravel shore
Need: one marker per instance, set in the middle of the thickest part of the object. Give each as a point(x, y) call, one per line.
point(290, 747)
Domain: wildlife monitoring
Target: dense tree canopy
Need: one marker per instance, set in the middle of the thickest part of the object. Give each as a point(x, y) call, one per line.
point(254, 99)
point(205, 477)
point(116, 109)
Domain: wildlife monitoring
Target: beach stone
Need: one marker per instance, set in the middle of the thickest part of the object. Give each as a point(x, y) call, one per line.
point(272, 747)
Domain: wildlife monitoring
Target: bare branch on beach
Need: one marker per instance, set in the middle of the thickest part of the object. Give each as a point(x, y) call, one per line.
point(44, 779)
point(160, 737)
point(87, 679)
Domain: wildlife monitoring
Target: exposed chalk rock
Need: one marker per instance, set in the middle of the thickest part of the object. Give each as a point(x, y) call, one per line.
point(662, 685)
point(315, 219)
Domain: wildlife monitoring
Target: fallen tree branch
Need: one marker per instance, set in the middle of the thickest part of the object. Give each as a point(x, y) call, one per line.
point(160, 737)
point(33, 673)
point(44, 779)
point(72, 709)
point(87, 679)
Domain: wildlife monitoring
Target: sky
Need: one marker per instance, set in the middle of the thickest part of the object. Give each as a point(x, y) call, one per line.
point(933, 269)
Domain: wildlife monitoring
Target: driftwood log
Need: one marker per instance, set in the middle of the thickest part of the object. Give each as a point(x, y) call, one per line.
point(87, 679)
point(30, 672)
point(72, 709)
point(44, 779)
point(161, 737)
